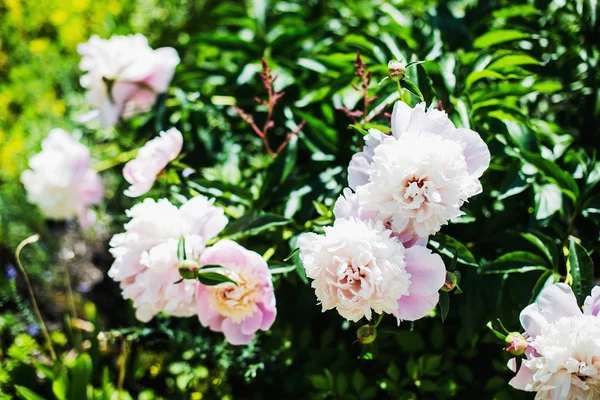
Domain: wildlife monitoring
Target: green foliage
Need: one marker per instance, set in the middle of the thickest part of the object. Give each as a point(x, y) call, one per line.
point(523, 74)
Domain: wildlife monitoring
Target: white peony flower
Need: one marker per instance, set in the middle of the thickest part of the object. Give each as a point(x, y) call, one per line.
point(563, 357)
point(61, 180)
point(419, 177)
point(124, 75)
point(357, 266)
point(146, 261)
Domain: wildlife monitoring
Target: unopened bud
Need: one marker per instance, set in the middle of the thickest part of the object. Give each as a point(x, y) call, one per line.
point(188, 268)
point(366, 334)
point(396, 70)
point(517, 344)
point(451, 282)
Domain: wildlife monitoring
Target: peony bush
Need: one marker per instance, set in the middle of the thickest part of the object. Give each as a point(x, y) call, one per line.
point(215, 190)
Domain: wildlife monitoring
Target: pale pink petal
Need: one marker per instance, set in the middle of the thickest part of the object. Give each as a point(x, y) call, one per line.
point(557, 301)
point(532, 320)
point(252, 323)
point(224, 252)
point(400, 118)
point(523, 379)
point(269, 313)
point(163, 72)
point(427, 270)
point(592, 302)
point(206, 314)
point(233, 333)
point(477, 154)
point(414, 306)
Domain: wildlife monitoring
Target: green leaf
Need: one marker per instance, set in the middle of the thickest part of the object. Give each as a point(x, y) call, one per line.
point(60, 386)
point(444, 305)
point(320, 133)
point(449, 246)
point(221, 190)
point(545, 244)
point(548, 200)
point(513, 60)
point(553, 173)
point(581, 269)
point(500, 36)
point(280, 169)
point(289, 257)
point(281, 268)
point(181, 249)
point(547, 278)
point(411, 87)
point(80, 375)
point(483, 74)
point(28, 394)
point(210, 278)
point(516, 261)
point(252, 224)
point(312, 65)
point(359, 129)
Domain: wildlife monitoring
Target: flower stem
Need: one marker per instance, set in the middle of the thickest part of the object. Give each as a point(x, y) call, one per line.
point(120, 159)
point(379, 319)
point(29, 240)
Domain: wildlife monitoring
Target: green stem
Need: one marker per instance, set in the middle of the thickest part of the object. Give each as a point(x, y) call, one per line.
point(379, 319)
point(29, 240)
point(120, 159)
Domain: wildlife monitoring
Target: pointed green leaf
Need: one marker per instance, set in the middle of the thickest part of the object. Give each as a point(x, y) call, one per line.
point(181, 249)
point(210, 278)
point(411, 87)
point(581, 268)
point(444, 305)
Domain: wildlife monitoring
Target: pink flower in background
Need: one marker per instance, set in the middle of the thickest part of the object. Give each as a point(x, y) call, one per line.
point(591, 306)
point(151, 159)
point(146, 263)
point(357, 267)
point(242, 309)
point(61, 180)
point(124, 75)
point(418, 178)
point(563, 357)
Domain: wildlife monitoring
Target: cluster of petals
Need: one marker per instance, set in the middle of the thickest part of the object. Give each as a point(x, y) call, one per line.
point(402, 188)
point(151, 160)
point(146, 263)
point(562, 360)
point(417, 178)
point(238, 310)
point(124, 75)
point(61, 180)
point(147, 266)
point(357, 267)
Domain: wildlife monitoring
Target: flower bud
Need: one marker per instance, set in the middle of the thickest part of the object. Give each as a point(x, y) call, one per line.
point(366, 334)
point(188, 269)
point(451, 282)
point(517, 343)
point(396, 70)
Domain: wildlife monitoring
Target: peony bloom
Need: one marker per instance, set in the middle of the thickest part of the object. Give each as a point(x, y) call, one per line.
point(124, 75)
point(563, 357)
point(237, 310)
point(146, 263)
point(357, 266)
point(61, 181)
point(151, 159)
point(420, 176)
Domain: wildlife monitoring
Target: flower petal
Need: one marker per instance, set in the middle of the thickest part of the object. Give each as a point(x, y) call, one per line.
point(233, 333)
point(557, 301)
point(523, 379)
point(532, 320)
point(427, 270)
point(414, 306)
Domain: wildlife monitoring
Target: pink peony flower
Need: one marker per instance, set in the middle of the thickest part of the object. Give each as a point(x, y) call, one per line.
point(237, 310)
point(563, 356)
point(146, 263)
point(151, 159)
point(357, 267)
point(420, 176)
point(124, 75)
point(61, 180)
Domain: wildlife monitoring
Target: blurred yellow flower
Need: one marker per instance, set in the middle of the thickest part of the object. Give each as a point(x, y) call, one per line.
point(38, 46)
